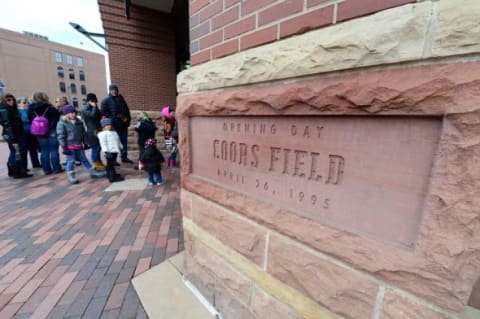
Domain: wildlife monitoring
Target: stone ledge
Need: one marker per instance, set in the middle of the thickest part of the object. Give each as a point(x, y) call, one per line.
point(407, 33)
point(164, 295)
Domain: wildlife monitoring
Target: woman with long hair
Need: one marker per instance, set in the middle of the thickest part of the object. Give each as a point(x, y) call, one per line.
point(15, 137)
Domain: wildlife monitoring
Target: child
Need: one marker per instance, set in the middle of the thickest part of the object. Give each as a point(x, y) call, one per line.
point(71, 134)
point(146, 129)
point(152, 159)
point(111, 146)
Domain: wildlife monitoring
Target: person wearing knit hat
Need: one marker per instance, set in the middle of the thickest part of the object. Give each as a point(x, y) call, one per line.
point(71, 135)
point(111, 147)
point(91, 116)
point(115, 107)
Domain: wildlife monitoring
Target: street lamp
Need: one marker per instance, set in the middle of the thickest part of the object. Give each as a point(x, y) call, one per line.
point(89, 35)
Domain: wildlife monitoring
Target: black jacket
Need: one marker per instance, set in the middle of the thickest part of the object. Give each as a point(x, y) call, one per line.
point(115, 108)
point(11, 122)
point(151, 159)
point(91, 117)
point(145, 129)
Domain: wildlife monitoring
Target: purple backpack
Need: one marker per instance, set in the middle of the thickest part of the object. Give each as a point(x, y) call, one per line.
point(39, 124)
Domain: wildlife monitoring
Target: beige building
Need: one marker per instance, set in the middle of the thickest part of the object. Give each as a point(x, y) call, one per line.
point(30, 62)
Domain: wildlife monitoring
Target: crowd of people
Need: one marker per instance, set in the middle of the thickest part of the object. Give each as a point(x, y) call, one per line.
point(37, 126)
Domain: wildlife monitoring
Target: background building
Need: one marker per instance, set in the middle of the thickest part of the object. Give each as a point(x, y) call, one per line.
point(30, 62)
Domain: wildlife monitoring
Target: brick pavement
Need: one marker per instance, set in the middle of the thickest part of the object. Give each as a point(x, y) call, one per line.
point(69, 251)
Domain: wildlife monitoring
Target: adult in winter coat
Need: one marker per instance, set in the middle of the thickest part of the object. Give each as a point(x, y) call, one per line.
point(115, 108)
point(71, 136)
point(14, 135)
point(49, 158)
point(91, 116)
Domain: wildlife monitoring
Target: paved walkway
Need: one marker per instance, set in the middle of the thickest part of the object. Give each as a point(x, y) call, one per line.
point(70, 251)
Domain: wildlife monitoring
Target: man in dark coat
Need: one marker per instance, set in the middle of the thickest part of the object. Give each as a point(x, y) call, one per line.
point(115, 108)
point(91, 117)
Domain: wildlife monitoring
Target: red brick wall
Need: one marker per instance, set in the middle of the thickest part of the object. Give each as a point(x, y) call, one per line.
point(141, 54)
point(223, 27)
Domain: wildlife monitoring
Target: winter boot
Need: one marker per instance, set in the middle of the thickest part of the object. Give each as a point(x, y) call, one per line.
point(117, 178)
point(20, 172)
point(11, 170)
point(71, 178)
point(98, 166)
point(95, 174)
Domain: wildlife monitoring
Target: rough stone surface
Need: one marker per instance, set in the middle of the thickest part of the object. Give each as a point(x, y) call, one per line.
point(201, 277)
point(186, 203)
point(229, 306)
point(386, 37)
point(323, 281)
point(445, 262)
point(407, 33)
point(397, 306)
point(223, 273)
point(265, 306)
point(235, 232)
point(457, 29)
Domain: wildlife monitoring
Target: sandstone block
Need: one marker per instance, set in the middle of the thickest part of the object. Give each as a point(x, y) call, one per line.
point(186, 203)
point(327, 283)
point(457, 29)
point(266, 306)
point(229, 306)
point(200, 276)
point(243, 236)
point(389, 36)
point(223, 273)
point(397, 306)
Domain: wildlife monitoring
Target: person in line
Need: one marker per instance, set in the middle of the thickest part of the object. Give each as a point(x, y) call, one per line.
point(71, 135)
point(152, 160)
point(115, 108)
point(171, 143)
point(31, 140)
point(14, 135)
point(60, 102)
point(146, 129)
point(111, 146)
point(91, 117)
point(49, 157)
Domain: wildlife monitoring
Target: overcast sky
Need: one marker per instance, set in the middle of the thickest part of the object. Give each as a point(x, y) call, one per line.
point(51, 18)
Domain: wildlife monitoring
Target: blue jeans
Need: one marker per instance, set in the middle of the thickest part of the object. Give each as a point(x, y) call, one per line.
point(123, 134)
point(80, 154)
point(158, 175)
point(49, 157)
point(95, 153)
point(22, 148)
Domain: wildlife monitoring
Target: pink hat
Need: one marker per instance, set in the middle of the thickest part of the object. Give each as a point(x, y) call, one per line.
point(166, 112)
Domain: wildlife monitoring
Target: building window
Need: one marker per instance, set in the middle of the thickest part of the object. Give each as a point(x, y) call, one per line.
point(75, 101)
point(81, 75)
point(71, 74)
point(83, 89)
point(80, 61)
point(69, 59)
point(62, 87)
point(58, 57)
point(60, 72)
point(84, 102)
point(73, 88)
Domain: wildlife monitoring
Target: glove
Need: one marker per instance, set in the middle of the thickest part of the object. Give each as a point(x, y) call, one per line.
point(66, 151)
point(86, 146)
